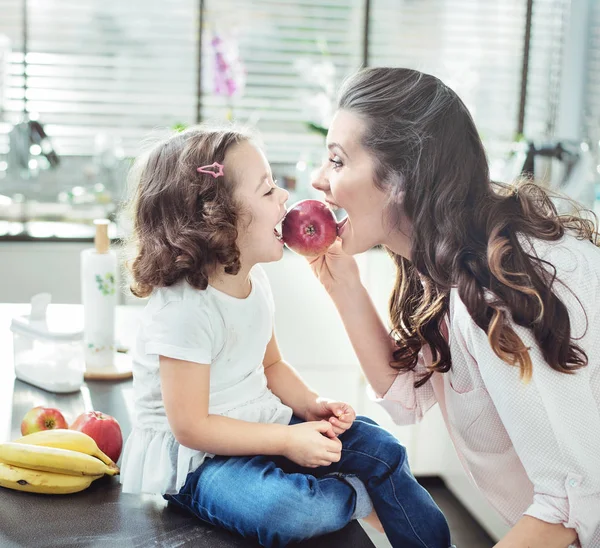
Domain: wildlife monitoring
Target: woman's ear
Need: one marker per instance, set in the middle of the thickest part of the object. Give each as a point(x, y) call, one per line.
point(396, 197)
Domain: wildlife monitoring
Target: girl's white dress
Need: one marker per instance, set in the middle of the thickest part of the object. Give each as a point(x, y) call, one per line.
point(206, 327)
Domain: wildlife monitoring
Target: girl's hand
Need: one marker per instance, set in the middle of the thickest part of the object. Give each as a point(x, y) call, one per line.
point(312, 444)
point(339, 414)
point(335, 268)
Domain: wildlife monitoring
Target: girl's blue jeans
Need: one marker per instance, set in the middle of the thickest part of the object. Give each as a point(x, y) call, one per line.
point(277, 502)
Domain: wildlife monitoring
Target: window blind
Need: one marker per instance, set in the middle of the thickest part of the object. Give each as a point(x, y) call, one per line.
point(592, 95)
point(476, 47)
point(294, 54)
point(123, 68)
point(550, 19)
point(111, 67)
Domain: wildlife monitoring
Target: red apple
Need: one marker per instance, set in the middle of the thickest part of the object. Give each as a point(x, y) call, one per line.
point(309, 228)
point(42, 418)
point(104, 430)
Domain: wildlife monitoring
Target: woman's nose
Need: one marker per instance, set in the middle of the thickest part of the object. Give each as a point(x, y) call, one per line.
point(319, 180)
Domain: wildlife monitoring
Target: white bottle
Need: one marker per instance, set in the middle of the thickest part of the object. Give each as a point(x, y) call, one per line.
point(99, 297)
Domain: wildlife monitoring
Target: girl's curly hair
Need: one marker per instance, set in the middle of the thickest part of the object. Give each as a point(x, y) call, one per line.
point(185, 223)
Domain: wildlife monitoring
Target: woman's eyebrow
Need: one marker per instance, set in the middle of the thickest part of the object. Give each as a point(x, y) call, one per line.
point(336, 145)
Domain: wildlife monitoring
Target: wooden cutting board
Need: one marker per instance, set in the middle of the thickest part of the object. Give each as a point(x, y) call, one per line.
point(118, 371)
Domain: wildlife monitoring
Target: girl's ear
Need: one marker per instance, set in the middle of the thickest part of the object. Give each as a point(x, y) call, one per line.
point(244, 215)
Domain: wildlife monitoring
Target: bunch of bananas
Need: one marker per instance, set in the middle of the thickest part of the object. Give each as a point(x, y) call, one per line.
point(55, 462)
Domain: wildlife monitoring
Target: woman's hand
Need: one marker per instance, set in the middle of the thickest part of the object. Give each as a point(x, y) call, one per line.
point(312, 444)
point(335, 268)
point(339, 414)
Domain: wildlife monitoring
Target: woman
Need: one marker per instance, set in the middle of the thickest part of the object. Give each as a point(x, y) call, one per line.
point(495, 312)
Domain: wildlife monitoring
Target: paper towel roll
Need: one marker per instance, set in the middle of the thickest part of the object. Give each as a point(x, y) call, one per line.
point(99, 298)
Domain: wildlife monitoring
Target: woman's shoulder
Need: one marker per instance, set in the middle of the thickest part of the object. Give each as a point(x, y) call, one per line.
point(574, 261)
point(574, 258)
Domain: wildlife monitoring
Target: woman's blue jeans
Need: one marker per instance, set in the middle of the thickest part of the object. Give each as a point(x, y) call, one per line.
point(277, 502)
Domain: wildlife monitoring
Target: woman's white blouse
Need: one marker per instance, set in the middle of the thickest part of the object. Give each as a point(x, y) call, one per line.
point(531, 448)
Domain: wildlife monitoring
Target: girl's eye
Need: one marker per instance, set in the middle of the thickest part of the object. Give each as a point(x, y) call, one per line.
point(272, 189)
point(336, 163)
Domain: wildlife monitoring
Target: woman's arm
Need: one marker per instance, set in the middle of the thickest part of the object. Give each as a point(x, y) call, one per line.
point(374, 347)
point(530, 532)
point(339, 274)
point(369, 337)
point(553, 421)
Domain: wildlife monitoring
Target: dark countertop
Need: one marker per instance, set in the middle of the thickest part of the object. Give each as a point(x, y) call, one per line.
point(102, 516)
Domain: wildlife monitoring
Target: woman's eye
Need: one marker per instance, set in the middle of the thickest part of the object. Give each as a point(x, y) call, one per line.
point(336, 163)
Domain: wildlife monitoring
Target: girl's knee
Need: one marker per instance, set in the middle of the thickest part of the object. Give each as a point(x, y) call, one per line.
point(363, 418)
point(366, 428)
point(372, 440)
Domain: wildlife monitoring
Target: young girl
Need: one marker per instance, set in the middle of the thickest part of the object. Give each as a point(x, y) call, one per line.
point(496, 307)
point(225, 427)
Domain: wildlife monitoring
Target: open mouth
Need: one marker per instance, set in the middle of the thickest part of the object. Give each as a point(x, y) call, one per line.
point(342, 223)
point(333, 206)
point(277, 231)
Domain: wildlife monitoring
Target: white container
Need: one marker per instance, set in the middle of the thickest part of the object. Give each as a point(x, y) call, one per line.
point(99, 298)
point(48, 351)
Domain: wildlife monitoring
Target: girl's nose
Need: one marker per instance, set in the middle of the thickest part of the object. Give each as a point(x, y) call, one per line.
point(284, 195)
point(319, 180)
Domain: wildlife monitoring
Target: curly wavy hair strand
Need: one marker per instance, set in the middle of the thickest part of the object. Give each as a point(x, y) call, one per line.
point(467, 231)
point(185, 223)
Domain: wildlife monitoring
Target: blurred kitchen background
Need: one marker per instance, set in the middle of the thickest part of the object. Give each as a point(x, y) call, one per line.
point(84, 82)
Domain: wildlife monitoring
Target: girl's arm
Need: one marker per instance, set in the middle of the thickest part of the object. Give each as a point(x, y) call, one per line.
point(185, 390)
point(285, 382)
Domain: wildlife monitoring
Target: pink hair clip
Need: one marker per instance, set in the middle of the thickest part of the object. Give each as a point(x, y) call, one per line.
point(215, 169)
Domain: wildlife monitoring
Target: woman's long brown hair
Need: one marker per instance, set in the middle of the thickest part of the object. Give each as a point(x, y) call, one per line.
point(467, 232)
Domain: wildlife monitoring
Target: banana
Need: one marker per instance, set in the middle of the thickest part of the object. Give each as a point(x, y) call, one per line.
point(35, 481)
point(74, 440)
point(52, 459)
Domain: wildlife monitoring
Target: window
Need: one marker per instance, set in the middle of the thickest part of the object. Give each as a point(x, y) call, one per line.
point(592, 111)
point(101, 67)
point(476, 47)
point(295, 55)
point(122, 68)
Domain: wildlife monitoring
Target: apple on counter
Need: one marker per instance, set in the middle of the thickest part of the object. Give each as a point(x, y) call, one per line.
point(42, 418)
point(104, 430)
